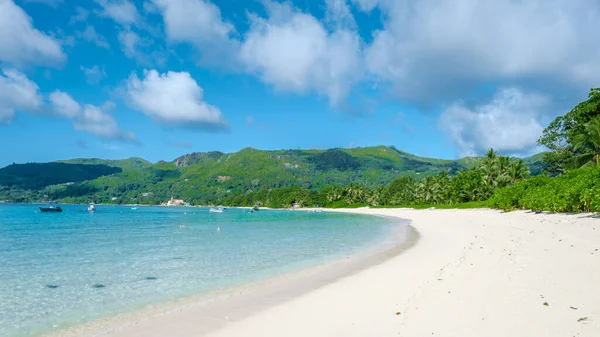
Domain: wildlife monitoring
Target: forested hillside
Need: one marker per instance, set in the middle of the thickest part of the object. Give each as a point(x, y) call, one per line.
point(209, 177)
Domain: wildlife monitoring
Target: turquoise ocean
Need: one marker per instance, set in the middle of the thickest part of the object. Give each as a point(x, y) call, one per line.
point(62, 269)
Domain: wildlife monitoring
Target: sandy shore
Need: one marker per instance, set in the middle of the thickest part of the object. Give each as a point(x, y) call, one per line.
point(471, 273)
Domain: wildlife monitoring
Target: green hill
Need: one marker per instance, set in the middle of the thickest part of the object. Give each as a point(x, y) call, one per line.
point(201, 178)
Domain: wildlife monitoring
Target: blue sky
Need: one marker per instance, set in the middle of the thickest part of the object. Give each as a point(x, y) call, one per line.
point(159, 78)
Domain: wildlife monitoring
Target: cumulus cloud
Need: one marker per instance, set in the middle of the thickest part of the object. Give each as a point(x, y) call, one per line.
point(199, 22)
point(94, 74)
point(509, 123)
point(88, 118)
point(294, 52)
point(121, 11)
point(90, 35)
point(64, 105)
point(173, 98)
point(17, 92)
point(338, 14)
point(21, 44)
point(437, 48)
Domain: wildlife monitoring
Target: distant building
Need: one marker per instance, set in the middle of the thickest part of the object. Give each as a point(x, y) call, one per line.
point(175, 202)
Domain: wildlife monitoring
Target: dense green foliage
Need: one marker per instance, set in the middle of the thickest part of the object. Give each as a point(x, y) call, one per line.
point(36, 175)
point(576, 191)
point(469, 186)
point(270, 177)
point(565, 134)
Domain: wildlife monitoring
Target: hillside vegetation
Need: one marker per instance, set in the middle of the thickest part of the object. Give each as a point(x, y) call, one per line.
point(214, 177)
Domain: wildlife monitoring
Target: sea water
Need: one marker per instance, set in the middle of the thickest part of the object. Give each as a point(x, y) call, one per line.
point(63, 269)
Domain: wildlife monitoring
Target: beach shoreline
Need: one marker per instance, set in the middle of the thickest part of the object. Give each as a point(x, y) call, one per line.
point(473, 273)
point(222, 307)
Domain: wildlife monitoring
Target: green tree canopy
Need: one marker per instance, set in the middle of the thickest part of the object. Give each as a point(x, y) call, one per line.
point(561, 135)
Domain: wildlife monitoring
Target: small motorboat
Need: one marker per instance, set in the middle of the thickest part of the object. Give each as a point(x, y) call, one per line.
point(255, 208)
point(50, 209)
point(216, 210)
point(135, 207)
point(91, 207)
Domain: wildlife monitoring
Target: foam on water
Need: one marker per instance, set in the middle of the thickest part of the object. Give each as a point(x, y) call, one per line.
point(62, 269)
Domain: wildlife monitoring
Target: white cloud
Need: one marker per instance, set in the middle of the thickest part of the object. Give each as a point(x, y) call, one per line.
point(90, 35)
point(89, 118)
point(509, 123)
point(129, 42)
point(294, 52)
point(21, 44)
point(64, 105)
point(199, 22)
point(80, 16)
point(367, 5)
point(122, 11)
point(94, 74)
point(338, 14)
point(434, 48)
point(173, 98)
point(101, 124)
point(17, 92)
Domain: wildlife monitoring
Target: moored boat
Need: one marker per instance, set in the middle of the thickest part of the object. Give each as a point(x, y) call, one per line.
point(255, 208)
point(91, 207)
point(50, 209)
point(216, 210)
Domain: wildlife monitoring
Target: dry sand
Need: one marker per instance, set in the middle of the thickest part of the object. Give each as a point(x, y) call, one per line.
point(472, 273)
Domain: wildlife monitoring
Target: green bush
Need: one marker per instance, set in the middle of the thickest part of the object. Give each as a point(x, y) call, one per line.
point(576, 191)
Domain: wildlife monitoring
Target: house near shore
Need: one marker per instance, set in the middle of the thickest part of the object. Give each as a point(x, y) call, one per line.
point(175, 202)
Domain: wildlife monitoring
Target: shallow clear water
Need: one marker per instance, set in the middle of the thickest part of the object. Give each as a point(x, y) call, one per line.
point(61, 269)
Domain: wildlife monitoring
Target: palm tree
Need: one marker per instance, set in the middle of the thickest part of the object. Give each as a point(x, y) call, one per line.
point(428, 189)
point(377, 196)
point(443, 186)
point(355, 193)
point(517, 170)
point(333, 193)
point(587, 144)
point(490, 165)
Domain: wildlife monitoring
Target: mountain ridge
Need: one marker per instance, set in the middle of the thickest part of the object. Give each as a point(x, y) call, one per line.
point(201, 177)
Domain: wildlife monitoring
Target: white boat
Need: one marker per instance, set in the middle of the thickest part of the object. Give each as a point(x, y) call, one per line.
point(91, 208)
point(134, 207)
point(216, 210)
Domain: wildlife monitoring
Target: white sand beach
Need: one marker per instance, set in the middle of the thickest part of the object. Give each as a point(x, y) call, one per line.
point(471, 273)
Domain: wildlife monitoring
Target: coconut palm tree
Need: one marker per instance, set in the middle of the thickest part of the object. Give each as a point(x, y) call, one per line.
point(428, 190)
point(355, 193)
point(587, 144)
point(333, 193)
point(490, 165)
point(377, 196)
point(517, 170)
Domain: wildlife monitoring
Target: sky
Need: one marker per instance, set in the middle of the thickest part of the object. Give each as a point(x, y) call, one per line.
point(160, 78)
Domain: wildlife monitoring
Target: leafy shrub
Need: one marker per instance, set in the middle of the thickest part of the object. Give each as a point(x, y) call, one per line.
point(576, 191)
